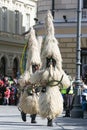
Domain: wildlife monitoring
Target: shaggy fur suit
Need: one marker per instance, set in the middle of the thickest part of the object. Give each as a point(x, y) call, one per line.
point(50, 98)
point(28, 102)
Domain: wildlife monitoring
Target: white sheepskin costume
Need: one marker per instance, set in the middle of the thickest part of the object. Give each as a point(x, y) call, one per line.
point(29, 103)
point(50, 101)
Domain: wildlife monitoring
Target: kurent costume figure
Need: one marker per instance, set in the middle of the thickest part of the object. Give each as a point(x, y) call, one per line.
point(50, 98)
point(28, 103)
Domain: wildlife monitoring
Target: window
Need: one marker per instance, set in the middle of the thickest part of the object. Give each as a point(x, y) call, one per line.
point(27, 21)
point(3, 66)
point(84, 3)
point(15, 67)
point(16, 21)
point(4, 19)
point(84, 13)
point(84, 61)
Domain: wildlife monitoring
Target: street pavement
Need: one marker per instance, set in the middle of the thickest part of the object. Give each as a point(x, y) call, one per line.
point(10, 119)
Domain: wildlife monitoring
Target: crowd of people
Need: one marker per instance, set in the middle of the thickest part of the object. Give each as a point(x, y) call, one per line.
point(9, 94)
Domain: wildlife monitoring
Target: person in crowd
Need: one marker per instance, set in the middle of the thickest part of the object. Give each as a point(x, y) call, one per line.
point(6, 96)
point(84, 96)
point(63, 92)
point(68, 100)
point(2, 90)
point(13, 95)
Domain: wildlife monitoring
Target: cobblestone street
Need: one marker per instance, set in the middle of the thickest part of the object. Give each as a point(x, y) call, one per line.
point(10, 119)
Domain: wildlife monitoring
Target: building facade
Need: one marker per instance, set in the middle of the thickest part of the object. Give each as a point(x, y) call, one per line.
point(16, 17)
point(65, 23)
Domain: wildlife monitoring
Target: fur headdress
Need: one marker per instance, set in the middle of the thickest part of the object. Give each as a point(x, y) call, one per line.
point(50, 43)
point(33, 57)
point(51, 50)
point(33, 54)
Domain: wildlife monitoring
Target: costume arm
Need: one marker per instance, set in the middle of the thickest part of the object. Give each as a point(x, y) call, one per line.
point(65, 81)
point(40, 77)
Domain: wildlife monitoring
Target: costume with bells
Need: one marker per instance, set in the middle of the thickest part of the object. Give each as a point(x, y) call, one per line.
point(28, 103)
point(50, 98)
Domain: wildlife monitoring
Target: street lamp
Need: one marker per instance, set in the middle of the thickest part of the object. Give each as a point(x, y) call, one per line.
point(77, 111)
point(53, 7)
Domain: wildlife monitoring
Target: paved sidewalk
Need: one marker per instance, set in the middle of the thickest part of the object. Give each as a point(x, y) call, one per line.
point(10, 119)
point(71, 123)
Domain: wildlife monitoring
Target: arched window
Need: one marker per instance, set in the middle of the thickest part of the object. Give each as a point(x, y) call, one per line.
point(15, 67)
point(3, 66)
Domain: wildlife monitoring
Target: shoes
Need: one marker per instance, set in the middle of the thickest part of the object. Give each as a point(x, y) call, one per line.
point(23, 116)
point(33, 117)
point(50, 123)
point(66, 116)
point(33, 121)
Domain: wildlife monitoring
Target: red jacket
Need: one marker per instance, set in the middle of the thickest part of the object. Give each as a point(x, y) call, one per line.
point(7, 93)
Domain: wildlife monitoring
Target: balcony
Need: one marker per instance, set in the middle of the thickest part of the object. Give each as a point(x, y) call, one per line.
point(11, 38)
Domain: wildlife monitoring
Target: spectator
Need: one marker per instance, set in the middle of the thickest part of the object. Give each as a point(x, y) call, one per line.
point(13, 94)
point(84, 97)
point(2, 90)
point(6, 96)
point(68, 100)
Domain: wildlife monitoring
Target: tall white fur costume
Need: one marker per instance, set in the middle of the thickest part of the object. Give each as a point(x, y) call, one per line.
point(51, 101)
point(29, 103)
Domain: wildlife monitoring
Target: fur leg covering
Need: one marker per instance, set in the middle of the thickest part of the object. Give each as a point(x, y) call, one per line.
point(29, 104)
point(23, 116)
point(50, 103)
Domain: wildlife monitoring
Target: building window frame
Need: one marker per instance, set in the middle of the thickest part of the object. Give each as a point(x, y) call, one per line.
point(4, 19)
point(16, 21)
point(27, 21)
point(3, 64)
